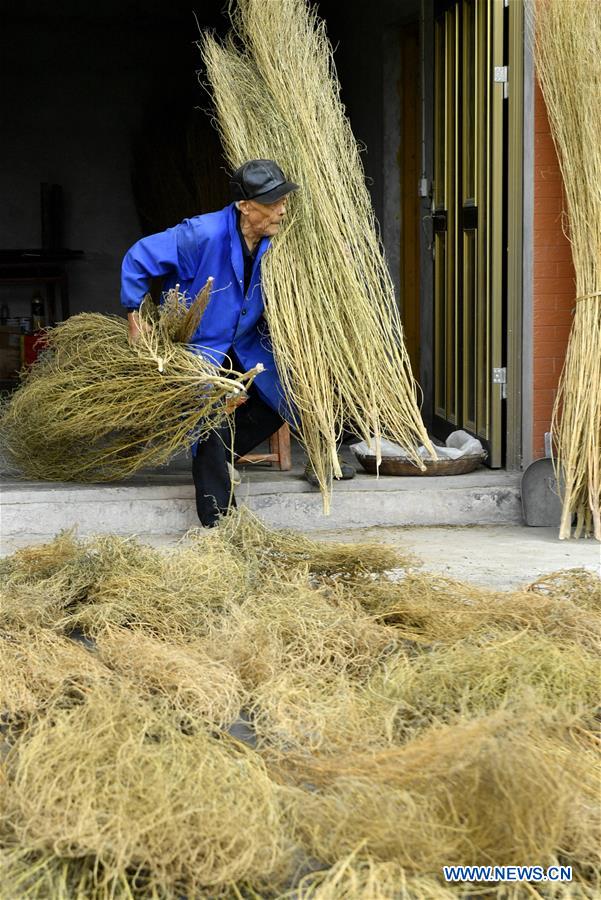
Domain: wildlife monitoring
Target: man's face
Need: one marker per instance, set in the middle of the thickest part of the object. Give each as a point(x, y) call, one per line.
point(264, 219)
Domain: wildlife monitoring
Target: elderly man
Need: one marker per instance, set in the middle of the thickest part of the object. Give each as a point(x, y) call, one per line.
point(227, 245)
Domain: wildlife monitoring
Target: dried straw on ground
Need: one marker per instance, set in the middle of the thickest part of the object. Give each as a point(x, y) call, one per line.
point(117, 780)
point(38, 666)
point(330, 301)
point(359, 877)
point(568, 59)
point(493, 790)
point(96, 408)
point(289, 550)
point(388, 727)
point(194, 685)
point(427, 609)
point(474, 676)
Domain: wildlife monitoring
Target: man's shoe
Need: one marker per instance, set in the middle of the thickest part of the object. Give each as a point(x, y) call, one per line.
point(347, 470)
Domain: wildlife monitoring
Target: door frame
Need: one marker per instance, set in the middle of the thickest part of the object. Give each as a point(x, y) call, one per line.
point(517, 203)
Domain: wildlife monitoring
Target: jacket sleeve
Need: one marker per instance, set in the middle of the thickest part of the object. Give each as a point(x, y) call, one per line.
point(169, 252)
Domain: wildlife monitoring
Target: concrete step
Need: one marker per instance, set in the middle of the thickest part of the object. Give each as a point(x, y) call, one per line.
point(163, 503)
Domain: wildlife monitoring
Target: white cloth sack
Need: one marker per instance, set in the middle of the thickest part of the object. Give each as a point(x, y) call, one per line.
point(457, 445)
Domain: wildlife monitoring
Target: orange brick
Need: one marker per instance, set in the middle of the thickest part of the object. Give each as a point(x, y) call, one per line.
point(543, 366)
point(552, 316)
point(551, 236)
point(545, 153)
point(552, 348)
point(561, 281)
point(559, 253)
point(542, 396)
point(545, 381)
point(543, 333)
point(546, 187)
point(548, 171)
point(546, 269)
point(547, 205)
point(548, 220)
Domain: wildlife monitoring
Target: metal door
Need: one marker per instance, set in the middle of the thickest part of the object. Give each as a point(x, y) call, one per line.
point(468, 218)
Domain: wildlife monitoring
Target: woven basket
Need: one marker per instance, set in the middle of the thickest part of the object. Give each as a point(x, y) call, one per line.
point(392, 465)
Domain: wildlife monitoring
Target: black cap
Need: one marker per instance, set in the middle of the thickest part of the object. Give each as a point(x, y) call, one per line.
point(261, 180)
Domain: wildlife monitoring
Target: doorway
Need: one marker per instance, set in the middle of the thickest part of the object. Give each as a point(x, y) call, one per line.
point(468, 215)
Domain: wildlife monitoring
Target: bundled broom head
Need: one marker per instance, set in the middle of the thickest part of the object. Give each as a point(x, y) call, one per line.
point(329, 298)
point(567, 42)
point(179, 318)
point(94, 407)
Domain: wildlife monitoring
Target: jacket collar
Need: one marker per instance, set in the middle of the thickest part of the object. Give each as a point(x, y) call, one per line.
point(235, 247)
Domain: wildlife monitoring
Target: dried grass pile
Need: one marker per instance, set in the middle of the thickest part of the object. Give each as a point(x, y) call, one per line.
point(119, 781)
point(390, 726)
point(329, 298)
point(95, 408)
point(568, 59)
point(489, 791)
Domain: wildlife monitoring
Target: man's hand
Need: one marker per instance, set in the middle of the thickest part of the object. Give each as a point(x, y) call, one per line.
point(135, 326)
point(235, 402)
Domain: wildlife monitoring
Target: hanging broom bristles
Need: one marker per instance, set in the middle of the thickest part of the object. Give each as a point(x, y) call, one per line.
point(568, 58)
point(96, 408)
point(329, 297)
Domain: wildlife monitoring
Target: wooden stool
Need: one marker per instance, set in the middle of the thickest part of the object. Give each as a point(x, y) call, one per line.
point(279, 451)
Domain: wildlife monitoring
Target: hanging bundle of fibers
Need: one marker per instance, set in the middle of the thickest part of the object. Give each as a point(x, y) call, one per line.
point(568, 58)
point(95, 407)
point(329, 298)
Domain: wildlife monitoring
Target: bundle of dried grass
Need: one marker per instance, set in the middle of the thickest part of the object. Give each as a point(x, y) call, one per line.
point(359, 877)
point(43, 875)
point(568, 58)
point(38, 666)
point(475, 676)
point(96, 408)
point(116, 780)
point(177, 599)
point(493, 790)
point(330, 302)
point(286, 550)
point(194, 685)
point(427, 609)
point(319, 712)
point(47, 584)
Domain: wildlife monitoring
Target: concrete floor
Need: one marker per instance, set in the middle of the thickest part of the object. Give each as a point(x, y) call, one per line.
point(495, 556)
point(501, 556)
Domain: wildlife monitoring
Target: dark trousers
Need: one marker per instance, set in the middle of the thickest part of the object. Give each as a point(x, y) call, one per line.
point(254, 422)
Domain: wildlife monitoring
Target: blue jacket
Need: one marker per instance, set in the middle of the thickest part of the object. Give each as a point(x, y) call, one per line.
point(188, 254)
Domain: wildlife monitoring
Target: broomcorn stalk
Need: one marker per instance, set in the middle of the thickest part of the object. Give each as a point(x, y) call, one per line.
point(567, 40)
point(94, 407)
point(329, 299)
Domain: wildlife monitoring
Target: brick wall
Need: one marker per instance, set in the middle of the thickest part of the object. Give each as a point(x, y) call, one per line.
point(554, 288)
